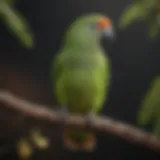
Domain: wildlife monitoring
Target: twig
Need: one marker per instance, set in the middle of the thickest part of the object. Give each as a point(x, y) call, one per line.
point(102, 124)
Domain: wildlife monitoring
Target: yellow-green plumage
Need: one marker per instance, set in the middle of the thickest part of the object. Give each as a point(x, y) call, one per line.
point(82, 83)
point(81, 72)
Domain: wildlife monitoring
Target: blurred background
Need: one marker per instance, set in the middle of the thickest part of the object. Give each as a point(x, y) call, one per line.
point(135, 62)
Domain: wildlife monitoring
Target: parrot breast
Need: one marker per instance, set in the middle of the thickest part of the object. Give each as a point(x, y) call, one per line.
point(77, 89)
point(81, 84)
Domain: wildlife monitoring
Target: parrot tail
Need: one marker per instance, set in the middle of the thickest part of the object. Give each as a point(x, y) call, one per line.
point(78, 139)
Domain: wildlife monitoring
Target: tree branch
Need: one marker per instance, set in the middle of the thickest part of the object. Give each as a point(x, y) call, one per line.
point(101, 124)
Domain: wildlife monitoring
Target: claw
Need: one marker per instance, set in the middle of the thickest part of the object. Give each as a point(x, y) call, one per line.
point(64, 113)
point(90, 118)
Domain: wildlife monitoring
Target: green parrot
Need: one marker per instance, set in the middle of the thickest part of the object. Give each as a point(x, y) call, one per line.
point(150, 107)
point(81, 75)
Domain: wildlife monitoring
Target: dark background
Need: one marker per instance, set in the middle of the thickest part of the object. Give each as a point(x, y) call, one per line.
point(134, 64)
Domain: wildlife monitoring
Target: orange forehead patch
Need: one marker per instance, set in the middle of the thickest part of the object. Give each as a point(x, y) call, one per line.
point(104, 23)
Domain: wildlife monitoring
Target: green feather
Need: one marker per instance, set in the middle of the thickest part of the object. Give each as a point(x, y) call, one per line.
point(81, 71)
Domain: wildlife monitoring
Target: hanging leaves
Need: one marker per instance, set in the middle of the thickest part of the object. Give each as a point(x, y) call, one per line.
point(16, 23)
point(154, 29)
point(142, 10)
point(150, 103)
point(132, 13)
point(150, 107)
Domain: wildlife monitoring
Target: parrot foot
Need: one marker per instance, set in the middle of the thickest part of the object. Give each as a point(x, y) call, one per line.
point(64, 113)
point(90, 118)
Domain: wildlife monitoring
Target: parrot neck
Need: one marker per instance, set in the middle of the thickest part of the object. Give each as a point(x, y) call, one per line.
point(85, 45)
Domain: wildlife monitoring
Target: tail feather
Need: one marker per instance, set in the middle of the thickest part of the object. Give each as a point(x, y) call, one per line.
point(77, 139)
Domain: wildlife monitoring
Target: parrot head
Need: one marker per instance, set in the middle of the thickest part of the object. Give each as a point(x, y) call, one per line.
point(89, 29)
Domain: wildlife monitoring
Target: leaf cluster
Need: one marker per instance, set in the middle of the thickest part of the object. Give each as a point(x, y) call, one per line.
point(142, 10)
point(16, 23)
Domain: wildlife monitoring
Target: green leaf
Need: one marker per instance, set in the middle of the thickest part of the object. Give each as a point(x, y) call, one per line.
point(150, 105)
point(16, 23)
point(132, 13)
point(154, 29)
point(156, 126)
point(10, 2)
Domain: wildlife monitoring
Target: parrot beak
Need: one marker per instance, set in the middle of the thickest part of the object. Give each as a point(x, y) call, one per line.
point(109, 34)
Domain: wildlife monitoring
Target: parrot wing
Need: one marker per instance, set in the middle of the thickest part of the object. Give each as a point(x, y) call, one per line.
point(56, 68)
